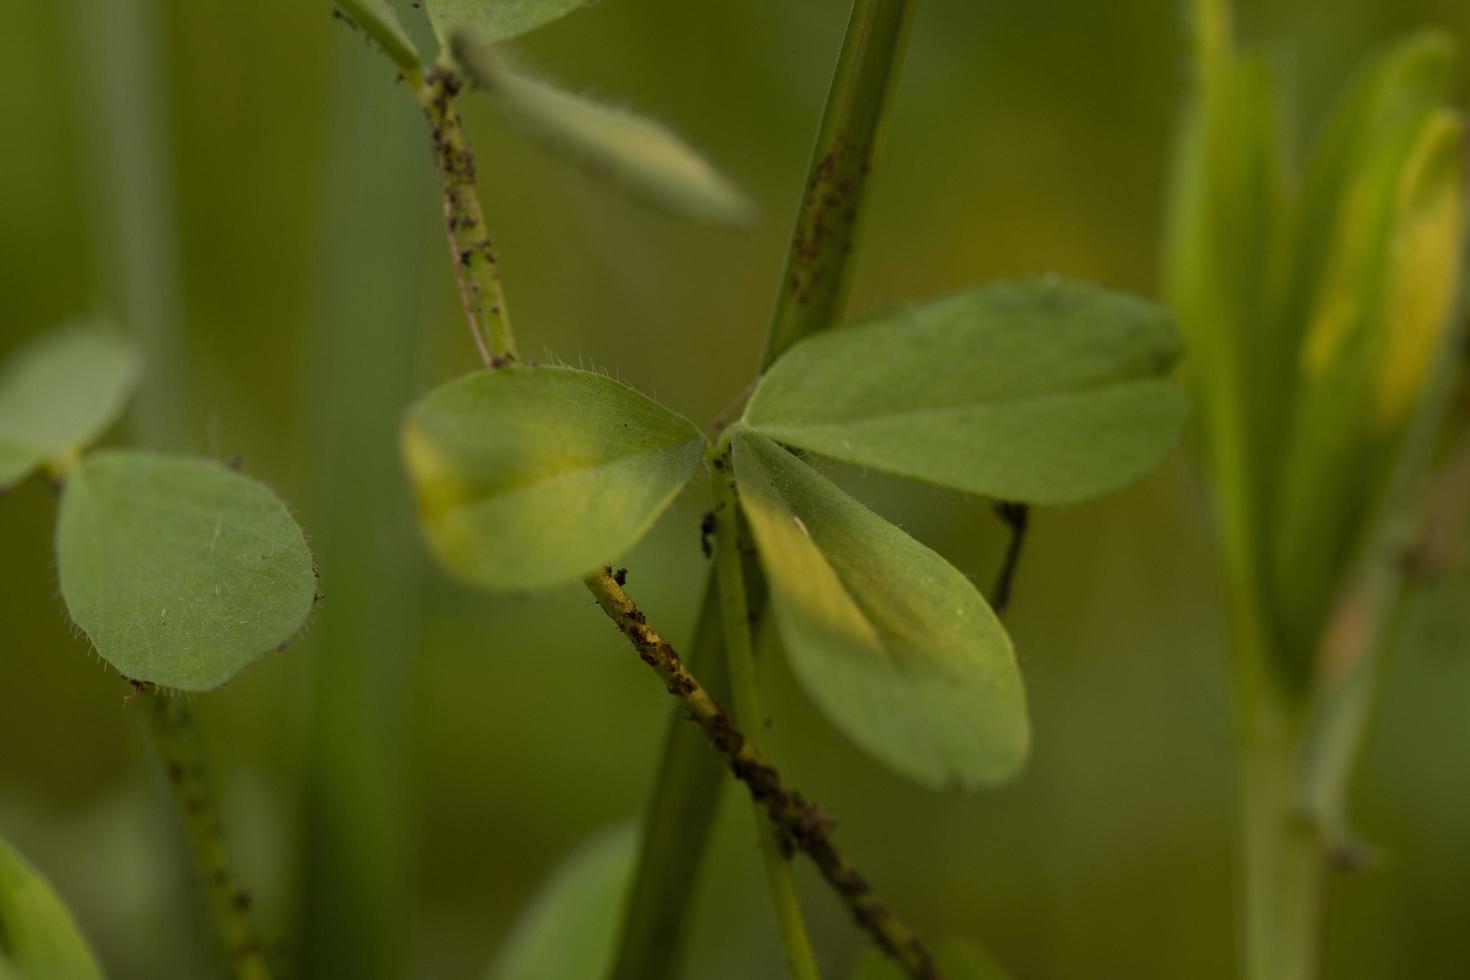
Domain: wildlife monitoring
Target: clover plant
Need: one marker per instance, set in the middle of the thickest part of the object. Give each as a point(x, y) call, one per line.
point(529, 476)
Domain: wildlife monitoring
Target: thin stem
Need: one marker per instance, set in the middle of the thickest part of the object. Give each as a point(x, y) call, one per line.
point(686, 794)
point(176, 743)
point(818, 267)
point(745, 686)
point(1017, 517)
point(799, 821)
point(809, 298)
point(476, 269)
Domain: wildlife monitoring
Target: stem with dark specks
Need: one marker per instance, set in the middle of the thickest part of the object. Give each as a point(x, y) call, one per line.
point(171, 728)
point(744, 685)
point(800, 821)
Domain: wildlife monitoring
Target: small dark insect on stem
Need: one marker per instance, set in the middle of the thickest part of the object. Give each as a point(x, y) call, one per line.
point(1016, 517)
point(798, 821)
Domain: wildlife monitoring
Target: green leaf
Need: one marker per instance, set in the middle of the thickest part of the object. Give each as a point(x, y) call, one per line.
point(645, 159)
point(529, 477)
point(1044, 392)
point(570, 927)
point(179, 570)
point(1375, 268)
point(377, 18)
point(889, 639)
point(38, 939)
point(958, 959)
point(496, 20)
point(1227, 216)
point(60, 393)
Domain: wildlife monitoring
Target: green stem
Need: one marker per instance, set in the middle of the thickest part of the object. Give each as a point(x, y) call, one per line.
point(818, 267)
point(476, 269)
point(686, 795)
point(745, 686)
point(177, 744)
point(810, 296)
point(800, 822)
point(1283, 859)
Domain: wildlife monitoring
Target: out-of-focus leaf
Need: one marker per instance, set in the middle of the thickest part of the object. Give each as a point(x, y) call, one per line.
point(1044, 392)
point(1226, 221)
point(38, 939)
point(959, 959)
point(382, 25)
point(180, 570)
point(889, 639)
point(496, 20)
point(570, 927)
point(528, 477)
point(642, 157)
point(1376, 256)
point(61, 392)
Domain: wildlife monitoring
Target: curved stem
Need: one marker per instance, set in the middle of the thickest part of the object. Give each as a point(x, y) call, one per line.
point(818, 267)
point(801, 822)
point(171, 728)
point(476, 269)
point(745, 686)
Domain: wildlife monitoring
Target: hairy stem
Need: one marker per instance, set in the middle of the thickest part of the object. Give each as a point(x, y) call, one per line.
point(744, 685)
point(817, 273)
point(800, 822)
point(171, 729)
point(476, 269)
point(809, 298)
point(686, 795)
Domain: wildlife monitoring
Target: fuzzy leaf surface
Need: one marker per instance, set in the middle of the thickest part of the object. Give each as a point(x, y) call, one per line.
point(60, 393)
point(643, 158)
point(38, 938)
point(570, 927)
point(1044, 392)
point(528, 477)
point(889, 639)
point(179, 570)
point(496, 20)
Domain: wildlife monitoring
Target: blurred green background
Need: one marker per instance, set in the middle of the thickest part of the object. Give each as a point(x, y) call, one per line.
point(248, 189)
